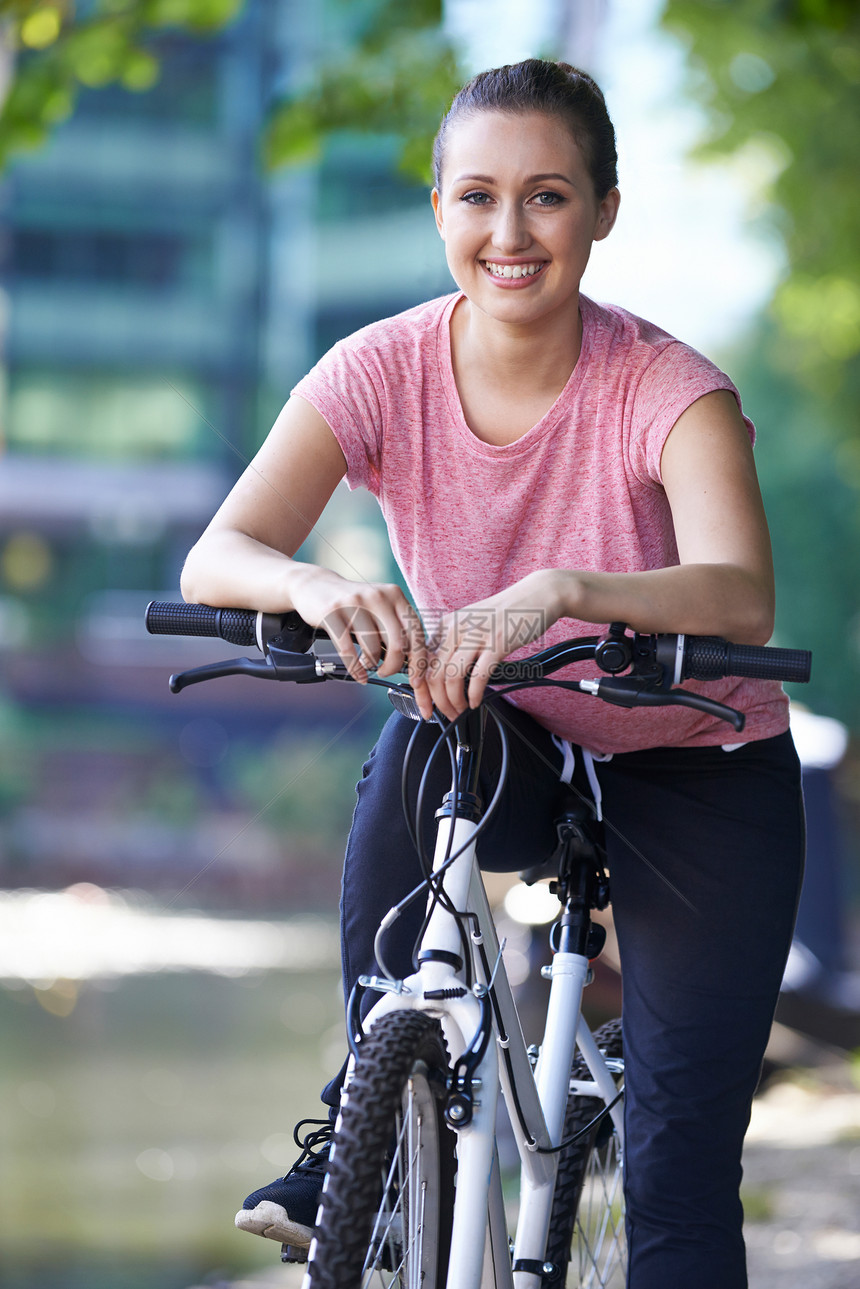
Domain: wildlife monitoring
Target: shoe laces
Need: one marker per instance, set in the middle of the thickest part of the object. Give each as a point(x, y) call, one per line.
point(314, 1145)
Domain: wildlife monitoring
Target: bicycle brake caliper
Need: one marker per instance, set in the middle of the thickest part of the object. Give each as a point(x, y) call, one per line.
point(460, 1103)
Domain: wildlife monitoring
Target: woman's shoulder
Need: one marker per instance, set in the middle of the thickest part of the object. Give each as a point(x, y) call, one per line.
point(380, 362)
point(634, 346)
point(405, 331)
point(617, 328)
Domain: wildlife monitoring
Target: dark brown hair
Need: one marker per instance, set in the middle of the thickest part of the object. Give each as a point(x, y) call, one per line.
point(556, 89)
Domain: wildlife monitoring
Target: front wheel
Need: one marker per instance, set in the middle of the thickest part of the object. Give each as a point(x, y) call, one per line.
point(387, 1204)
point(587, 1242)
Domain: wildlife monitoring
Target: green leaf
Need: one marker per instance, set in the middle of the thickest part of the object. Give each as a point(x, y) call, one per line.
point(141, 71)
point(197, 15)
point(402, 89)
point(293, 135)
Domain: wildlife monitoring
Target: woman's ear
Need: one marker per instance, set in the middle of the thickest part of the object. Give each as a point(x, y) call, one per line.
point(607, 215)
point(436, 203)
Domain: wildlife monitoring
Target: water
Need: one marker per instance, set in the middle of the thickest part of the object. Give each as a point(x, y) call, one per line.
point(136, 1113)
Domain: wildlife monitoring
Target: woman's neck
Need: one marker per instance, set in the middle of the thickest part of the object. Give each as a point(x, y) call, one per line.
point(537, 356)
point(509, 377)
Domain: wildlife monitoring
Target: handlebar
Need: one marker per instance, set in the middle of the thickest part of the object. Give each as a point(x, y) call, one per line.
point(237, 626)
point(652, 665)
point(709, 657)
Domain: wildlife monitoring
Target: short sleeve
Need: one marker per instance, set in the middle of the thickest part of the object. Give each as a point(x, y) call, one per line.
point(342, 390)
point(675, 378)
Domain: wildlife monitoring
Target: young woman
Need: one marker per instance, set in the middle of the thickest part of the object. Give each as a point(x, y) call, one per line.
point(545, 463)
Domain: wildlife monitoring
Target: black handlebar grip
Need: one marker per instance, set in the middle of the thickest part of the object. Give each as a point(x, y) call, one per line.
point(709, 658)
point(237, 626)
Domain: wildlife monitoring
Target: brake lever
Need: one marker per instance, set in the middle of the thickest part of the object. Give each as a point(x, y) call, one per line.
point(632, 691)
point(279, 664)
point(230, 667)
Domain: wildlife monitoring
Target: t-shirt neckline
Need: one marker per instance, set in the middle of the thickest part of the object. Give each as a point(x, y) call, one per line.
point(548, 421)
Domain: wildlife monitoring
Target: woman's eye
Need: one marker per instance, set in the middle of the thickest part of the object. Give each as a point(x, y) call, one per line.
point(548, 199)
point(476, 198)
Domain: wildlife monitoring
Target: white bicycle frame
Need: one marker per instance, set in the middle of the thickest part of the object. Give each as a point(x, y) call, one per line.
point(542, 1093)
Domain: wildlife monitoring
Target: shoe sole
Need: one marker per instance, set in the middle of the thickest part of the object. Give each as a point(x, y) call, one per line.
point(273, 1223)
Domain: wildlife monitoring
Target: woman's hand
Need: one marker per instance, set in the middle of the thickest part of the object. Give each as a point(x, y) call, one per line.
point(365, 621)
point(471, 641)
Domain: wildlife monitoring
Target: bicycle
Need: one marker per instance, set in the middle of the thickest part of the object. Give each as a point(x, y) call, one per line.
point(413, 1195)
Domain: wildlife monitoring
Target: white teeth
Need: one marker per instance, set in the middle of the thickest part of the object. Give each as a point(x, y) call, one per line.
point(512, 270)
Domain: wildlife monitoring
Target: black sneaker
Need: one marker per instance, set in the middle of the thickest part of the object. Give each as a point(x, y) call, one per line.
point(286, 1209)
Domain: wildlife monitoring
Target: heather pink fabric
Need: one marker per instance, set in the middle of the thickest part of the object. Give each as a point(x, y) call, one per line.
point(581, 489)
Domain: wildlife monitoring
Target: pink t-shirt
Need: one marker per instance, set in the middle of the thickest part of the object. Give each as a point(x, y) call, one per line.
point(581, 489)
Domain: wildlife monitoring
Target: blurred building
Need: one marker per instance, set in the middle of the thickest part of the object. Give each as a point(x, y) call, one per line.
point(163, 295)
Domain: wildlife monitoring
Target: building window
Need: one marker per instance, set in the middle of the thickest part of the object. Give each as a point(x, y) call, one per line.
point(109, 416)
point(146, 259)
point(358, 177)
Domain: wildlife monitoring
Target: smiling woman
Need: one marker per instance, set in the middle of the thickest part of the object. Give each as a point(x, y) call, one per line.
point(518, 237)
point(533, 208)
point(546, 463)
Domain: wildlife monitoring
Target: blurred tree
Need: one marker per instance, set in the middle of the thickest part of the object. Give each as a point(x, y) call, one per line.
point(388, 68)
point(49, 49)
point(394, 72)
point(813, 508)
point(780, 82)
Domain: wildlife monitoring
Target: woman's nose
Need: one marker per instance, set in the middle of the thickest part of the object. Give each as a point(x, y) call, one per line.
point(510, 231)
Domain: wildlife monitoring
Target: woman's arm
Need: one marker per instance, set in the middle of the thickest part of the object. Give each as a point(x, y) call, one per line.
point(724, 582)
point(244, 559)
point(722, 586)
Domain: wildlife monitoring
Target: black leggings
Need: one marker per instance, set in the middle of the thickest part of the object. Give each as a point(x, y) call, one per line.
point(705, 851)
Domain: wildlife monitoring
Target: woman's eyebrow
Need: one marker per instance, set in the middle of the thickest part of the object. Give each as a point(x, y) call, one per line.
point(542, 178)
point(488, 179)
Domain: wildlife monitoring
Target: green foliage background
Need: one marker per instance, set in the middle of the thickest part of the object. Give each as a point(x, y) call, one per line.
point(388, 67)
point(57, 46)
point(779, 81)
point(394, 74)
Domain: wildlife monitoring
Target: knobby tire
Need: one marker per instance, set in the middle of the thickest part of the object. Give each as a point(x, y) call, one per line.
point(387, 1205)
point(587, 1242)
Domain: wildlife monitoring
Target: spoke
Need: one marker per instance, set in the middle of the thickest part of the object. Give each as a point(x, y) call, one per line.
point(388, 1213)
point(399, 1227)
point(600, 1224)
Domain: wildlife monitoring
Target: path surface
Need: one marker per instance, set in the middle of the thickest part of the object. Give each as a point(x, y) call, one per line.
point(802, 1181)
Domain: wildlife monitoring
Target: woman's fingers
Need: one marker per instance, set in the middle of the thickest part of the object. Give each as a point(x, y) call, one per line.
point(447, 674)
point(369, 635)
point(470, 642)
point(479, 677)
point(418, 663)
point(447, 669)
point(389, 637)
point(338, 625)
point(372, 625)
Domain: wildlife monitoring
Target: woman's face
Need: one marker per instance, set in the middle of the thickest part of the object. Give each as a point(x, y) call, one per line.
point(518, 213)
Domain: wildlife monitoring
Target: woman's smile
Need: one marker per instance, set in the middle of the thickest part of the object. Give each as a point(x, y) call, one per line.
point(514, 273)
